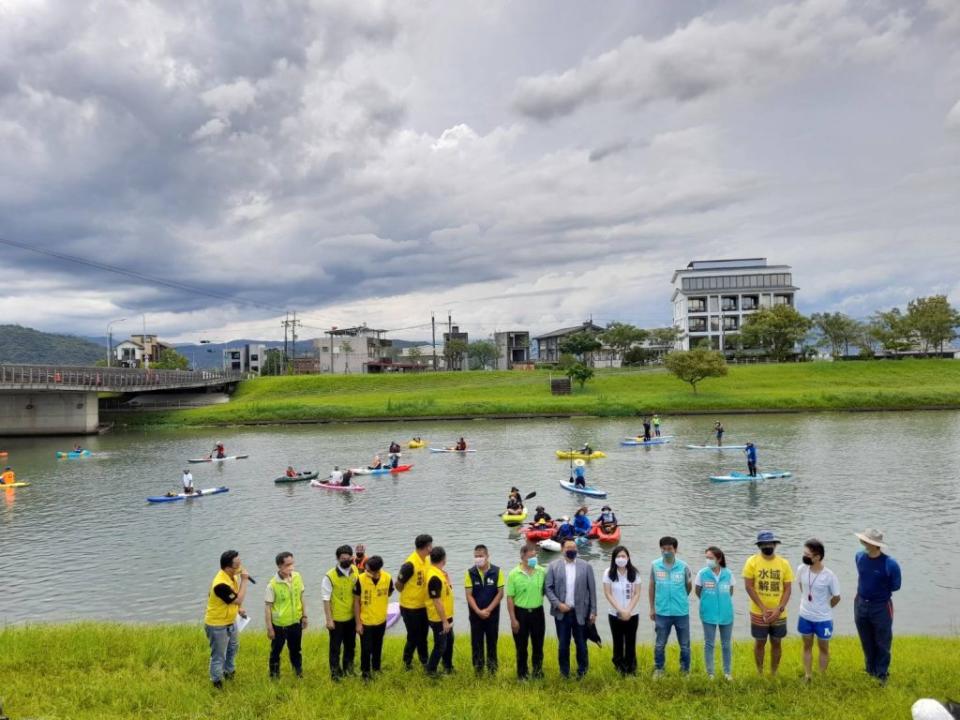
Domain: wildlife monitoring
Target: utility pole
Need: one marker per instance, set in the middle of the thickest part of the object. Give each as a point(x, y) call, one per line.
point(293, 330)
point(283, 364)
point(433, 334)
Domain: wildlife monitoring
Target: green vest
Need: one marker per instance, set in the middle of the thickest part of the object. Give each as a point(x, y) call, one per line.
point(287, 600)
point(341, 600)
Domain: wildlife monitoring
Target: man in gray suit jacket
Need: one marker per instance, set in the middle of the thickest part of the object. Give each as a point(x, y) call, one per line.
point(572, 592)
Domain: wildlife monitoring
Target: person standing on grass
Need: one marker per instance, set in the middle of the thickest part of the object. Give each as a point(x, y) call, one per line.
point(412, 585)
point(572, 592)
point(769, 582)
point(525, 590)
point(371, 598)
point(878, 577)
point(484, 591)
point(621, 587)
point(286, 615)
point(819, 594)
point(224, 604)
point(714, 586)
point(669, 596)
point(440, 613)
point(337, 593)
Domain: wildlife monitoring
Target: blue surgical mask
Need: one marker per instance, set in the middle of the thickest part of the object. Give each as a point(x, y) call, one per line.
point(532, 562)
point(711, 563)
point(668, 556)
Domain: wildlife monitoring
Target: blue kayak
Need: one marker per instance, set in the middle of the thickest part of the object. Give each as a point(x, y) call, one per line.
point(170, 497)
point(652, 441)
point(591, 491)
point(74, 454)
point(740, 476)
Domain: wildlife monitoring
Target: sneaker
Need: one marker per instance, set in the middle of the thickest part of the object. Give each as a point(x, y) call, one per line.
point(728, 676)
point(657, 674)
point(218, 684)
point(229, 675)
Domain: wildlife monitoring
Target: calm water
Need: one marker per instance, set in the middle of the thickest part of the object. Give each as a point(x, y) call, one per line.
point(81, 542)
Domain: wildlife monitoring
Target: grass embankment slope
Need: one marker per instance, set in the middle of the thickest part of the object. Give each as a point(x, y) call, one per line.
point(109, 671)
point(906, 384)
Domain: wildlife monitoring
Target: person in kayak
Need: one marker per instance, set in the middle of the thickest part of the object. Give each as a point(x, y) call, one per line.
point(187, 481)
point(656, 425)
point(514, 502)
point(579, 474)
point(291, 472)
point(9, 477)
point(376, 464)
point(347, 478)
point(646, 429)
point(586, 450)
point(751, 453)
point(77, 448)
point(581, 522)
point(541, 517)
point(394, 448)
point(718, 429)
point(394, 460)
point(336, 477)
point(461, 445)
point(566, 531)
point(219, 451)
point(607, 519)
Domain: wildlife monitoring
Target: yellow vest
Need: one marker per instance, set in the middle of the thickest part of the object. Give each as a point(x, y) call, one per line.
point(446, 597)
point(341, 600)
point(287, 603)
point(414, 593)
point(220, 613)
point(374, 598)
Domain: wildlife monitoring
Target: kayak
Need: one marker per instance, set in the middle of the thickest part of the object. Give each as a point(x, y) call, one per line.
point(451, 450)
point(223, 459)
point(567, 454)
point(553, 546)
point(652, 441)
point(739, 476)
point(381, 471)
point(591, 491)
point(6, 486)
point(414, 445)
point(514, 520)
point(299, 477)
point(170, 497)
point(598, 533)
point(338, 488)
point(74, 454)
point(716, 447)
point(393, 613)
point(3, 453)
point(533, 533)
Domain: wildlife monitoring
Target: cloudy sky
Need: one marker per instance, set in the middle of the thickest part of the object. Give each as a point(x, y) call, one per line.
point(520, 164)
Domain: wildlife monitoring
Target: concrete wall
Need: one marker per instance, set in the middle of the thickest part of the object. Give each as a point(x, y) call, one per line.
point(48, 413)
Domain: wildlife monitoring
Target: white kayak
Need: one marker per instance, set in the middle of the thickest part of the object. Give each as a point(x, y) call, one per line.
point(741, 477)
point(554, 546)
point(451, 450)
point(716, 447)
point(215, 460)
point(393, 613)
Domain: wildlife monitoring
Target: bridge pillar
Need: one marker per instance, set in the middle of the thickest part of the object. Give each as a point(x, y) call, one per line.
point(48, 413)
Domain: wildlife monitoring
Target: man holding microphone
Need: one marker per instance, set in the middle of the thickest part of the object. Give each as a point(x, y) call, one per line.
point(224, 603)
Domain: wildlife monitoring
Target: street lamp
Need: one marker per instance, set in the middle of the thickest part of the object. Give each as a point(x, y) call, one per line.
point(110, 339)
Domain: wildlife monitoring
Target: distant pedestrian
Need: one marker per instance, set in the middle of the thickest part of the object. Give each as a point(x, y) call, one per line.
point(286, 615)
point(571, 589)
point(484, 591)
point(718, 430)
point(621, 587)
point(714, 587)
point(819, 594)
point(878, 577)
point(751, 452)
point(669, 591)
point(769, 581)
point(224, 604)
point(440, 612)
point(370, 602)
point(412, 585)
point(525, 591)
point(337, 592)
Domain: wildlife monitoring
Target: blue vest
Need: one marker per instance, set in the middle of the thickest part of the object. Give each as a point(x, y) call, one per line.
point(671, 588)
point(716, 605)
point(484, 589)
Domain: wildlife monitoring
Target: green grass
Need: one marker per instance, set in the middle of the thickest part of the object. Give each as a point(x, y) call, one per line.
point(907, 384)
point(114, 671)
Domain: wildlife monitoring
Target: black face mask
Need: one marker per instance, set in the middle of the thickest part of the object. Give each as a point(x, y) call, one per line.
point(807, 560)
point(572, 554)
point(345, 564)
point(768, 551)
point(359, 556)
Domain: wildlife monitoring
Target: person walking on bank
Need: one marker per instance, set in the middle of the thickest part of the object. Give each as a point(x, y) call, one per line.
point(224, 603)
point(440, 612)
point(371, 597)
point(714, 586)
point(337, 592)
point(669, 595)
point(878, 577)
point(769, 582)
point(484, 591)
point(819, 594)
point(621, 586)
point(286, 615)
point(412, 585)
point(525, 585)
point(572, 592)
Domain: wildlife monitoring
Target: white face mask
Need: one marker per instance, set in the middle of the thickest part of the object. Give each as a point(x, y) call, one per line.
point(478, 561)
point(622, 561)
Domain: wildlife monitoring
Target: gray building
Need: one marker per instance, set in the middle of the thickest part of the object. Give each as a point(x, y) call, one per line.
point(513, 347)
point(713, 298)
point(245, 358)
point(548, 344)
point(358, 349)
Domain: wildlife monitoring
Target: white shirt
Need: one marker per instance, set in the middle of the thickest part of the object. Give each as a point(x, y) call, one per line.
point(187, 480)
point(326, 587)
point(570, 567)
point(336, 477)
point(822, 586)
point(270, 595)
point(623, 591)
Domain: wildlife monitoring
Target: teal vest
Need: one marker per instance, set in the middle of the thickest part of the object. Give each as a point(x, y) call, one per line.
point(671, 588)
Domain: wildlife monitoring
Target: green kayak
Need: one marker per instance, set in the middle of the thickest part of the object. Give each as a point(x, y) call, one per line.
point(299, 477)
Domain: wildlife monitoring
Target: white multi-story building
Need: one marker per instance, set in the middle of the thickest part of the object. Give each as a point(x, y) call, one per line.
point(713, 298)
point(244, 358)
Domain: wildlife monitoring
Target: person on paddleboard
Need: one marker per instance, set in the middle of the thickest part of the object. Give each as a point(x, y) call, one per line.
point(646, 429)
point(579, 474)
point(656, 425)
point(9, 477)
point(751, 453)
point(718, 429)
point(187, 481)
point(461, 445)
point(219, 451)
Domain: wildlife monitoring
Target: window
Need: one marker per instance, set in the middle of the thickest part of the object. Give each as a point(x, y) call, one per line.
point(749, 302)
point(731, 323)
point(714, 324)
point(697, 304)
point(254, 357)
point(728, 303)
point(765, 300)
point(698, 284)
point(782, 300)
point(685, 283)
point(698, 324)
point(714, 303)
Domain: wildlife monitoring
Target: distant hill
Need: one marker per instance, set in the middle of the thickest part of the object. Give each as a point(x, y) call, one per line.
point(19, 344)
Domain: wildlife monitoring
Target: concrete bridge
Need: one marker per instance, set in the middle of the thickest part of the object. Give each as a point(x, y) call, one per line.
point(63, 400)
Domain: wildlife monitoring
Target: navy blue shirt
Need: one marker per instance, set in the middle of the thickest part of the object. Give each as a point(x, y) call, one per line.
point(751, 453)
point(877, 578)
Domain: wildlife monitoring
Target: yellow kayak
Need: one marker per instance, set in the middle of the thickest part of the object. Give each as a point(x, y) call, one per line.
point(413, 444)
point(514, 519)
point(567, 454)
point(4, 486)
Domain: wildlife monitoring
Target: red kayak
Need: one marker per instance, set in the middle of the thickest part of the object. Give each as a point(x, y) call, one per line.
point(612, 537)
point(535, 533)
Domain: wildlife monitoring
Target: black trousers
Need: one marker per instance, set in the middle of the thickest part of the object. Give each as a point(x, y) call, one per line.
point(371, 648)
point(624, 634)
point(343, 635)
point(483, 636)
point(533, 628)
point(751, 467)
point(442, 648)
point(417, 625)
point(290, 636)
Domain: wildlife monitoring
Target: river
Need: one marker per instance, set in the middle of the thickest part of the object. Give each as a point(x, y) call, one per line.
point(82, 543)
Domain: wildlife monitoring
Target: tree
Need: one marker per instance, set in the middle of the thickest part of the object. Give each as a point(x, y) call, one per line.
point(483, 353)
point(891, 331)
point(346, 347)
point(415, 355)
point(581, 344)
point(692, 366)
point(836, 331)
point(778, 330)
point(640, 356)
point(455, 351)
point(272, 362)
point(580, 372)
point(622, 336)
point(170, 359)
point(933, 321)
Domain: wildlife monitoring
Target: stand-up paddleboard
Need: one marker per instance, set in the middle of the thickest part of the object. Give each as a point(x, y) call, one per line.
point(663, 440)
point(5, 486)
point(215, 460)
point(173, 497)
point(716, 447)
point(451, 450)
point(740, 477)
point(589, 491)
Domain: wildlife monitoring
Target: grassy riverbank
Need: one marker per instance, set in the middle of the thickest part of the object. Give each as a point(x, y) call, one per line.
point(903, 385)
point(108, 671)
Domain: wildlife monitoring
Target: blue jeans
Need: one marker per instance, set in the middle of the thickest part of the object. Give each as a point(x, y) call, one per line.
point(223, 649)
point(567, 625)
point(875, 627)
point(663, 624)
point(726, 646)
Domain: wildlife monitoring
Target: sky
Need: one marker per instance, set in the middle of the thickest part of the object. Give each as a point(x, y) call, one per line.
point(517, 165)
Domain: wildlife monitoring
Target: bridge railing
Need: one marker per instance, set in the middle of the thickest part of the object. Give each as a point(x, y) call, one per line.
point(110, 378)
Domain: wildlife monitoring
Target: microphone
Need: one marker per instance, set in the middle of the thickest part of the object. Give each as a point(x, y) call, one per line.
point(252, 581)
